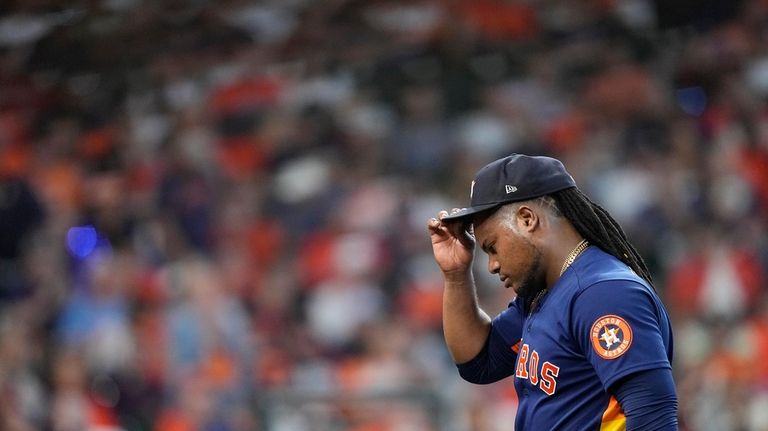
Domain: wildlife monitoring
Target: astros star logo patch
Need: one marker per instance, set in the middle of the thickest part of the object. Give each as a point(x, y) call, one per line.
point(611, 336)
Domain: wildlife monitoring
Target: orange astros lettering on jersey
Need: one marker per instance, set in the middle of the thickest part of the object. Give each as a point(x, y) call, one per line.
point(611, 336)
point(549, 372)
point(528, 369)
point(522, 360)
point(534, 366)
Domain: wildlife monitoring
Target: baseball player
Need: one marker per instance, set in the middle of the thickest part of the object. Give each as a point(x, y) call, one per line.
point(587, 339)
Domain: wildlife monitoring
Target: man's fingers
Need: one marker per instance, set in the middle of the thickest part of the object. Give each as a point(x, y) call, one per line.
point(461, 230)
point(454, 228)
point(467, 237)
point(437, 227)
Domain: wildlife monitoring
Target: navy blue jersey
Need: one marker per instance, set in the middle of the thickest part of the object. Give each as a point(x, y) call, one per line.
point(598, 323)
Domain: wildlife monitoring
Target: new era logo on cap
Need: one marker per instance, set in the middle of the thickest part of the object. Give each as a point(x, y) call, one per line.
point(532, 176)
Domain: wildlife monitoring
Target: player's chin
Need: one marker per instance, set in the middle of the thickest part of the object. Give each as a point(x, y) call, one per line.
point(526, 290)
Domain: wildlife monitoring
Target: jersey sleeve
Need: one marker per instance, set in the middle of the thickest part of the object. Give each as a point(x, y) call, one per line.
point(497, 359)
point(621, 329)
point(648, 400)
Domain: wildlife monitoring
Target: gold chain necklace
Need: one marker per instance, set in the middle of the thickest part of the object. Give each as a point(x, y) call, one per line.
point(580, 247)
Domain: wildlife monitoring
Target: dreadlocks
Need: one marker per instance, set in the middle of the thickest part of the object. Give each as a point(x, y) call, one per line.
point(598, 227)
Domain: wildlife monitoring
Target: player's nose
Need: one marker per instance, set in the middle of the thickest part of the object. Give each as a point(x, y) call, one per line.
point(493, 265)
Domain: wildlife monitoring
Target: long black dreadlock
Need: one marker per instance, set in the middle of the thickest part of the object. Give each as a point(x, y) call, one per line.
point(597, 226)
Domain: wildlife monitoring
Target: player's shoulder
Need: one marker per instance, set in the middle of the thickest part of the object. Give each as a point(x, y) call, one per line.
point(603, 282)
point(598, 267)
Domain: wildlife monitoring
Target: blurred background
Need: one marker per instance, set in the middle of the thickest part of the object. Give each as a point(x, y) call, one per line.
point(213, 213)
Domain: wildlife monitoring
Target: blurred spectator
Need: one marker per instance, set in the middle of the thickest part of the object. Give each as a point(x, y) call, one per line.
point(20, 215)
point(22, 391)
point(717, 280)
point(210, 349)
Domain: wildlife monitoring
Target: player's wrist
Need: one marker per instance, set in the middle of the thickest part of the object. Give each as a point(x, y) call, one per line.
point(458, 278)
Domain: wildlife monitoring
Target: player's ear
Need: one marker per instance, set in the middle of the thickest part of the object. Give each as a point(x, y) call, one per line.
point(527, 218)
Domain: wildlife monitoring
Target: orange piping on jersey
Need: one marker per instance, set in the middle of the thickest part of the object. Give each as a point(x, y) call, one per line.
point(613, 418)
point(516, 347)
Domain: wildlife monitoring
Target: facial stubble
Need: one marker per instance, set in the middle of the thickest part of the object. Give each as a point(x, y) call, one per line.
point(534, 281)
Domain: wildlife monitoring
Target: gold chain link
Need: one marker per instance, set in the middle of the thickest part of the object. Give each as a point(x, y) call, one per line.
point(574, 254)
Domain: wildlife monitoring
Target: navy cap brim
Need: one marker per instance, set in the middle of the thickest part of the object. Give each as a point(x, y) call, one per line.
point(465, 213)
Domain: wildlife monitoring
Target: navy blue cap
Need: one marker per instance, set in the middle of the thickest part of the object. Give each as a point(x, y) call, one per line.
point(514, 178)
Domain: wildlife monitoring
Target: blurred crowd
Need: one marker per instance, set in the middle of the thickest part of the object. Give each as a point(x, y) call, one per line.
point(213, 214)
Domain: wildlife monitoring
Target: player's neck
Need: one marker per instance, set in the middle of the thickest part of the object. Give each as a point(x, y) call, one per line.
point(565, 246)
